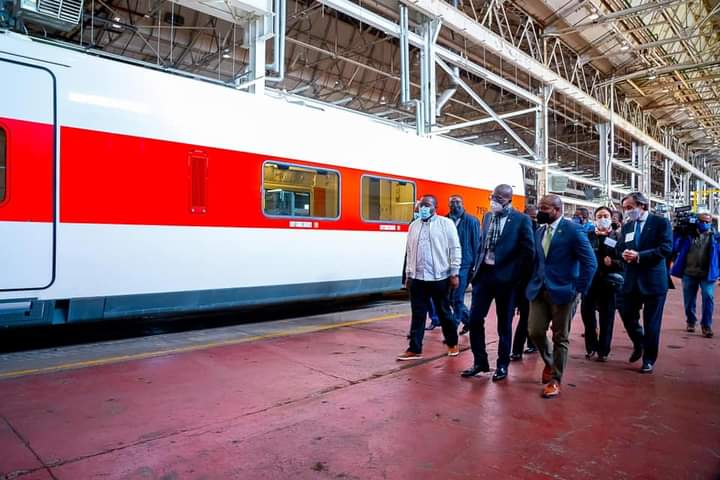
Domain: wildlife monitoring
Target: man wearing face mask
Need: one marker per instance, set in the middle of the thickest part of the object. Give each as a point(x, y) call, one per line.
point(582, 217)
point(468, 228)
point(505, 252)
point(564, 267)
point(523, 306)
point(432, 265)
point(432, 313)
point(645, 244)
point(697, 263)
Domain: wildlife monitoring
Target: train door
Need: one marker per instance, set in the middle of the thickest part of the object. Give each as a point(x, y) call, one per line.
point(27, 176)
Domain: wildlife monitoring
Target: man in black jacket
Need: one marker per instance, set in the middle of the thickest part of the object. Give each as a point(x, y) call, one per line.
point(645, 245)
point(505, 250)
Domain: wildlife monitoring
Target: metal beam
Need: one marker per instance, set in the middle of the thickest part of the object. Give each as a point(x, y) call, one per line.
point(467, 27)
point(480, 121)
point(659, 71)
point(486, 107)
point(391, 28)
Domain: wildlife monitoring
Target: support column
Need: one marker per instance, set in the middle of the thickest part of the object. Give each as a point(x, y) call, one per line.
point(255, 41)
point(604, 156)
point(667, 187)
point(643, 156)
point(428, 86)
point(541, 143)
point(634, 163)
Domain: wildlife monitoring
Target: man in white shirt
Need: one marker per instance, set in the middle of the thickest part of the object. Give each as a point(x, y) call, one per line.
point(431, 271)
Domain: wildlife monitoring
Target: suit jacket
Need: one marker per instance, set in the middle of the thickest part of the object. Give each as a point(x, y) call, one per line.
point(650, 274)
point(569, 267)
point(514, 248)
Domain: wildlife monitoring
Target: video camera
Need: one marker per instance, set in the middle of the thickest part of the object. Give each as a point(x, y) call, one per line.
point(684, 222)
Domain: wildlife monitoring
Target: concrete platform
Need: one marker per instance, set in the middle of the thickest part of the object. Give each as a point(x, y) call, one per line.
point(333, 403)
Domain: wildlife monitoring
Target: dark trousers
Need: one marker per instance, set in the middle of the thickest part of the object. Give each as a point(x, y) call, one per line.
point(647, 338)
point(421, 294)
point(461, 314)
point(521, 331)
point(600, 298)
point(434, 319)
point(485, 290)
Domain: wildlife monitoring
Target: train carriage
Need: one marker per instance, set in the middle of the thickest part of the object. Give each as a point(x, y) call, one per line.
point(129, 191)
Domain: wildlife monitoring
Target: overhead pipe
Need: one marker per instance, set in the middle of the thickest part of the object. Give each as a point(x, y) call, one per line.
point(278, 64)
point(448, 94)
point(450, 91)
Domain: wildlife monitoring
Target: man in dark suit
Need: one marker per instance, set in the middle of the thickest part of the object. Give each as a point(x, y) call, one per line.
point(645, 244)
point(505, 251)
point(564, 267)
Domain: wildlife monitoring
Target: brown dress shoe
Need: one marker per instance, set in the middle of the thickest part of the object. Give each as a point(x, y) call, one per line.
point(551, 390)
point(547, 374)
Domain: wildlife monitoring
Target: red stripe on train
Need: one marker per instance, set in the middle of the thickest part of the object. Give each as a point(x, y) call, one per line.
point(109, 178)
point(29, 172)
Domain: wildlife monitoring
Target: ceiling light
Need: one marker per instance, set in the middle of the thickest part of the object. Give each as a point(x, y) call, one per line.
point(226, 55)
point(593, 16)
point(117, 19)
point(625, 47)
point(652, 77)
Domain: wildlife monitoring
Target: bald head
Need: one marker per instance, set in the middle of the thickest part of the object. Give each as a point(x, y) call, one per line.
point(503, 192)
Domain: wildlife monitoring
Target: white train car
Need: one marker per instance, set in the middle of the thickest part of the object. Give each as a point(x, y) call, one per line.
point(128, 191)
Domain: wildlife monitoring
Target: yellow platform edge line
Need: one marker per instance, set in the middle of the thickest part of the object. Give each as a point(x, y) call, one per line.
point(191, 348)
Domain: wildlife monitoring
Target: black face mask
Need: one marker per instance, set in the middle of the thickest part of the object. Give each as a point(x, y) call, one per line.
point(614, 226)
point(544, 218)
point(456, 210)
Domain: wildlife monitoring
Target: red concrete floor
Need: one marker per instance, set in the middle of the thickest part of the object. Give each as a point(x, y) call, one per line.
point(335, 405)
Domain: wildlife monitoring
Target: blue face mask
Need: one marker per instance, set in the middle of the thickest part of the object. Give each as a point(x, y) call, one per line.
point(577, 220)
point(416, 215)
point(703, 227)
point(425, 212)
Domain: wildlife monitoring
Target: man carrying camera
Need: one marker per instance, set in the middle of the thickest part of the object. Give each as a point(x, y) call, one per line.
point(697, 263)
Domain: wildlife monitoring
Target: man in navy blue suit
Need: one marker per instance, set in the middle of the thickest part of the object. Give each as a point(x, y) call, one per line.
point(645, 244)
point(504, 255)
point(564, 267)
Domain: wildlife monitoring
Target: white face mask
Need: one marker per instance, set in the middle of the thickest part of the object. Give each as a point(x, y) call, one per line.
point(496, 207)
point(633, 215)
point(603, 223)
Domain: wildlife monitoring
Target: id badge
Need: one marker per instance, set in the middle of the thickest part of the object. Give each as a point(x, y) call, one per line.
point(629, 237)
point(610, 242)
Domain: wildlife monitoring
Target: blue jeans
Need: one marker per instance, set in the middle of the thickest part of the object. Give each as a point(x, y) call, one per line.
point(461, 314)
point(707, 293)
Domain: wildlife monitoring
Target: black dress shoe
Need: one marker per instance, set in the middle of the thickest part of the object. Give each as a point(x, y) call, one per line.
point(515, 356)
point(530, 350)
point(474, 371)
point(636, 354)
point(465, 329)
point(646, 368)
point(500, 374)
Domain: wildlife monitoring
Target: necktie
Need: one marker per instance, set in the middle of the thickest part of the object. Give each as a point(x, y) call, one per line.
point(637, 233)
point(547, 239)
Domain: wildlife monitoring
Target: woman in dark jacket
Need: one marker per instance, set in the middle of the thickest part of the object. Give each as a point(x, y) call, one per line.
point(601, 296)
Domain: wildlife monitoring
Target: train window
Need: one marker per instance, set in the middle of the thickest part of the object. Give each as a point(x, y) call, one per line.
point(3, 164)
point(387, 200)
point(296, 191)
